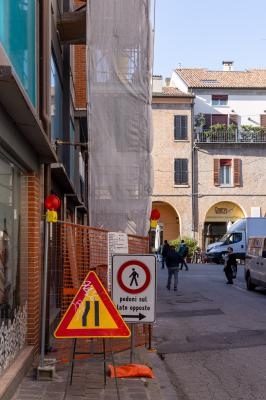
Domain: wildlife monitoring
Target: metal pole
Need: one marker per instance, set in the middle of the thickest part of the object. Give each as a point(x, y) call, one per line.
point(45, 269)
point(132, 343)
point(149, 348)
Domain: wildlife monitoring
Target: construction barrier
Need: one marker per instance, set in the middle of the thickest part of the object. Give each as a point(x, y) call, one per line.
point(74, 250)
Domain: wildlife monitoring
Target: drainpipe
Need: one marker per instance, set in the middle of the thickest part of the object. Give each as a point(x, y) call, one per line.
point(193, 207)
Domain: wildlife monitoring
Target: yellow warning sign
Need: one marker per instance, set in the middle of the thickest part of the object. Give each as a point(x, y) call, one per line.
point(92, 314)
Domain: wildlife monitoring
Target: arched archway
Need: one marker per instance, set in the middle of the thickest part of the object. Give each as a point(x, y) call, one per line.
point(218, 219)
point(169, 220)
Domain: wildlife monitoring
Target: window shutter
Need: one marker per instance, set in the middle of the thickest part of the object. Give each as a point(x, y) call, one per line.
point(233, 119)
point(185, 171)
point(184, 127)
point(207, 121)
point(180, 127)
point(176, 127)
point(237, 170)
point(263, 120)
point(181, 171)
point(219, 97)
point(177, 171)
point(216, 172)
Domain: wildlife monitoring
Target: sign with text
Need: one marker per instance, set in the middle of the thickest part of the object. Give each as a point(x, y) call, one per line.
point(134, 287)
point(117, 244)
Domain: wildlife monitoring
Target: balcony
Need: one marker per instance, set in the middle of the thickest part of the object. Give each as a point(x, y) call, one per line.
point(231, 136)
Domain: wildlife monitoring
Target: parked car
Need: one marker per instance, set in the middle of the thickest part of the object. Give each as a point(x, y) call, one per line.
point(255, 262)
point(237, 237)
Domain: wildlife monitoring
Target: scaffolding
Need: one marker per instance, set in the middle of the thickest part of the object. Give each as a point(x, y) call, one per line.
point(119, 39)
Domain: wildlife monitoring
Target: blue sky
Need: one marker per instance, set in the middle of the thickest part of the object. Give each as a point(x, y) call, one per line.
point(203, 33)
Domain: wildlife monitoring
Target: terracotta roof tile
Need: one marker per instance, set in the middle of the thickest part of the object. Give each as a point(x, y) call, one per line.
point(203, 78)
point(168, 91)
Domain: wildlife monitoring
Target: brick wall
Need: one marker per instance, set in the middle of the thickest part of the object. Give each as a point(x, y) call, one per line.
point(80, 71)
point(34, 259)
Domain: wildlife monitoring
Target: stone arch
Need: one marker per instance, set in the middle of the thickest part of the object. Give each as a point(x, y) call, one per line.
point(217, 219)
point(170, 219)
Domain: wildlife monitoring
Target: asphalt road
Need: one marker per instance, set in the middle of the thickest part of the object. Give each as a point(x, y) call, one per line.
point(212, 336)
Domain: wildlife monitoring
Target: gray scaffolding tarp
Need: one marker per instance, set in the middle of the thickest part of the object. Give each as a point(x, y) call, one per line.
point(119, 113)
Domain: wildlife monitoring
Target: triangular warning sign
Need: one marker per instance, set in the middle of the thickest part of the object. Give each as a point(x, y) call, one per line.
point(92, 314)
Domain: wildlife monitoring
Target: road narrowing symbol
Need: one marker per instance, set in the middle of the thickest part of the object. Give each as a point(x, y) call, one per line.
point(133, 286)
point(92, 314)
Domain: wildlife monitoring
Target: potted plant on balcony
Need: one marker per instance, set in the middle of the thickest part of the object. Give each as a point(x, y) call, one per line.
point(221, 133)
point(251, 133)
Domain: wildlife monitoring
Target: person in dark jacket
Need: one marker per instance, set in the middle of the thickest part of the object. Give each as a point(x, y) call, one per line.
point(230, 266)
point(172, 262)
point(165, 249)
point(183, 252)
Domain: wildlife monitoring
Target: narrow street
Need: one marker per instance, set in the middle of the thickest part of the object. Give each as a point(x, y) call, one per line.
point(212, 336)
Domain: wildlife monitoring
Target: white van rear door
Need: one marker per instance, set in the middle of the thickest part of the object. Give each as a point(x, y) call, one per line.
point(255, 252)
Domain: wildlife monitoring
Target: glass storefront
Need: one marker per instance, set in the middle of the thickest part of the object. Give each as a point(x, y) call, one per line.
point(18, 37)
point(13, 260)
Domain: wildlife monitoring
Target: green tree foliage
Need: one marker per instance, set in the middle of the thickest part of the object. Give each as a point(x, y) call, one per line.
point(192, 244)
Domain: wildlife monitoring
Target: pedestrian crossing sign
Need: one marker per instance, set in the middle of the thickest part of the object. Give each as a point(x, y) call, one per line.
point(92, 314)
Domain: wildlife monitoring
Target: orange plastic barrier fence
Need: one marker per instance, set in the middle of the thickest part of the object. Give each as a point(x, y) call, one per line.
point(76, 250)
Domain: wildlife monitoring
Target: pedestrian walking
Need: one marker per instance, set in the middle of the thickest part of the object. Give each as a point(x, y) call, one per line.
point(230, 266)
point(173, 260)
point(165, 250)
point(183, 252)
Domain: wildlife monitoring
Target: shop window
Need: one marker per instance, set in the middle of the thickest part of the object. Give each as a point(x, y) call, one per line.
point(13, 256)
point(180, 127)
point(18, 37)
point(56, 103)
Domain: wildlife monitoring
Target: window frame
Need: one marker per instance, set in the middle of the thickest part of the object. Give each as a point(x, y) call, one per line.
point(180, 128)
point(219, 100)
point(230, 175)
point(181, 182)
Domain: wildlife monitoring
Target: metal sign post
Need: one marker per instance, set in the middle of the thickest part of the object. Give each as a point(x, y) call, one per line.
point(44, 297)
point(51, 203)
point(132, 344)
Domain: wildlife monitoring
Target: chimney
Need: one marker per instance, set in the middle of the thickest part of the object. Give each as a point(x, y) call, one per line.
point(167, 81)
point(157, 83)
point(228, 65)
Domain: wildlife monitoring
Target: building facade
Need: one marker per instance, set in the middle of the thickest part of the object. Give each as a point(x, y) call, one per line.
point(228, 147)
point(43, 150)
point(172, 158)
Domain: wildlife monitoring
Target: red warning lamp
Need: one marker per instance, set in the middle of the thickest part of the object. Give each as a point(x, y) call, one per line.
point(155, 214)
point(52, 202)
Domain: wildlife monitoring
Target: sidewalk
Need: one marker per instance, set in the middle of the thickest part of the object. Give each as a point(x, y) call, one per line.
point(88, 382)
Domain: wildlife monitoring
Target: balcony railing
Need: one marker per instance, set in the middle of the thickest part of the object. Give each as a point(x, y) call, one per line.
point(225, 136)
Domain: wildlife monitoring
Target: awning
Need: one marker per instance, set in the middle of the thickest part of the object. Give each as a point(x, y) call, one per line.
point(16, 104)
point(72, 27)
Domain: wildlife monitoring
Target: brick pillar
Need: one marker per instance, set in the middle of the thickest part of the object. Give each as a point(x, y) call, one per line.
point(34, 260)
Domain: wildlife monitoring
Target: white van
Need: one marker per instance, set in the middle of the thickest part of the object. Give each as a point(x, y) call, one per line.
point(255, 262)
